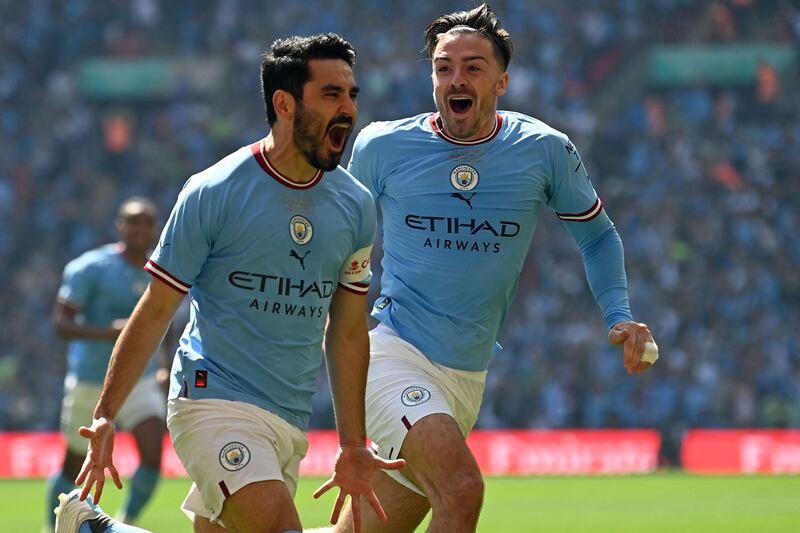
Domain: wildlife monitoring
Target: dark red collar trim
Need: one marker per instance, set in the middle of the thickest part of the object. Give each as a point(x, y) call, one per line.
point(436, 123)
point(259, 150)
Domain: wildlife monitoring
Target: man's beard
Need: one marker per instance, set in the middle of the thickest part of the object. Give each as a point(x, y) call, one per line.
point(310, 144)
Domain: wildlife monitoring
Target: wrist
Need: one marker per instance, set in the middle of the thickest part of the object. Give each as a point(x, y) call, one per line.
point(353, 443)
point(105, 416)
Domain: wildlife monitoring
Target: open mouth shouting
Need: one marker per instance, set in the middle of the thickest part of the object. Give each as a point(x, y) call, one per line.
point(337, 135)
point(460, 104)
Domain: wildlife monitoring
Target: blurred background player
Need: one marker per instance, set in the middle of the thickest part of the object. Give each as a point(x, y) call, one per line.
point(712, 148)
point(460, 191)
point(270, 243)
point(99, 291)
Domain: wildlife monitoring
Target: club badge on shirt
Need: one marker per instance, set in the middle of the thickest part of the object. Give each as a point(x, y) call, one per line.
point(464, 178)
point(300, 229)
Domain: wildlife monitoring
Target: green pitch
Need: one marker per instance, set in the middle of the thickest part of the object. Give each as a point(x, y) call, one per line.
point(666, 502)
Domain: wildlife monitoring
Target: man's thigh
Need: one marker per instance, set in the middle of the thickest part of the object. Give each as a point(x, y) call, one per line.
point(436, 454)
point(404, 509)
point(227, 447)
point(403, 389)
point(264, 506)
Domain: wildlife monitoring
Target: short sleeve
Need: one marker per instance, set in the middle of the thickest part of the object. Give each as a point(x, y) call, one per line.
point(364, 166)
point(571, 196)
point(77, 283)
point(187, 238)
point(355, 273)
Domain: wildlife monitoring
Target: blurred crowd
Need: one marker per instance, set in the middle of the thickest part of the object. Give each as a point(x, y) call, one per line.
point(703, 183)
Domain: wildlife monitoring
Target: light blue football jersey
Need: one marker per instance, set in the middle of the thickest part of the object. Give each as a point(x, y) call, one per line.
point(105, 287)
point(261, 257)
point(458, 220)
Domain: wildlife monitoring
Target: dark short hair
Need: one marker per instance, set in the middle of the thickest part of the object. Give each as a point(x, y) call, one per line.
point(138, 204)
point(480, 19)
point(285, 64)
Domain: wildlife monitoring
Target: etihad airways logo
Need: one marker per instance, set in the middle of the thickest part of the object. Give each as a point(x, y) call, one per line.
point(463, 226)
point(267, 283)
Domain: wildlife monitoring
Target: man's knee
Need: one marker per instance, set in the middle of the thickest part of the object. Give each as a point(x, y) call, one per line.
point(440, 462)
point(463, 492)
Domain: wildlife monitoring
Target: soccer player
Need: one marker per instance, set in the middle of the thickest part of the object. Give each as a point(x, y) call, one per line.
point(461, 190)
point(99, 291)
point(269, 243)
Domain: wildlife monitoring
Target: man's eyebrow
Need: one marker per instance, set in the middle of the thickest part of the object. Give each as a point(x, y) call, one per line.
point(333, 87)
point(468, 58)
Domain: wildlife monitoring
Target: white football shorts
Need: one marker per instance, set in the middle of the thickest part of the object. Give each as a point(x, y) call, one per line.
point(146, 400)
point(225, 445)
point(404, 386)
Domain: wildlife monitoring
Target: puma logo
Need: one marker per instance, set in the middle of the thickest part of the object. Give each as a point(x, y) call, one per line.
point(292, 253)
point(466, 200)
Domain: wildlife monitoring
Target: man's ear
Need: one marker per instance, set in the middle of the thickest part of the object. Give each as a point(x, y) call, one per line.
point(502, 85)
point(284, 104)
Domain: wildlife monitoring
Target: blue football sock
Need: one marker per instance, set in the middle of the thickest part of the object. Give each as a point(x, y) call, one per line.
point(142, 486)
point(55, 486)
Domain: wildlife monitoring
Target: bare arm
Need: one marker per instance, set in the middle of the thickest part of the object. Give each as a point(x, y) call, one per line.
point(132, 352)
point(347, 355)
point(136, 345)
point(67, 327)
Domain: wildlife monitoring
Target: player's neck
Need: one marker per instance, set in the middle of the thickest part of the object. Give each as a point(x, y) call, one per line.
point(289, 161)
point(487, 127)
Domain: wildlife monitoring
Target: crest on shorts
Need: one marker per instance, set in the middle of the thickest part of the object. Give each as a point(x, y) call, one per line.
point(300, 229)
point(415, 395)
point(234, 456)
point(464, 178)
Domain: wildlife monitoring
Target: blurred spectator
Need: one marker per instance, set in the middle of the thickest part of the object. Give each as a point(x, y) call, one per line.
point(701, 182)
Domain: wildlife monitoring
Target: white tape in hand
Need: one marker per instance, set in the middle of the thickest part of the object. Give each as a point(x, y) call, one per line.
point(650, 354)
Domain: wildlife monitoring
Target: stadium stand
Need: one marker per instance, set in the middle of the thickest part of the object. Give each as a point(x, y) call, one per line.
point(699, 170)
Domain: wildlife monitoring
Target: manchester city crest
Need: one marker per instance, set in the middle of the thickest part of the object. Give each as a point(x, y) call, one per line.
point(234, 456)
point(300, 229)
point(464, 178)
point(415, 395)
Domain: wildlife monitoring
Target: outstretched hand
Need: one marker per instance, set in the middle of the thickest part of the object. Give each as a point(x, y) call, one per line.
point(355, 466)
point(99, 457)
point(631, 336)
